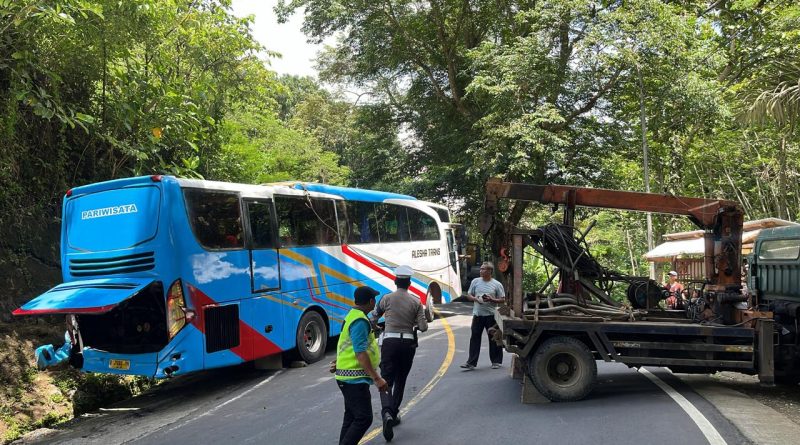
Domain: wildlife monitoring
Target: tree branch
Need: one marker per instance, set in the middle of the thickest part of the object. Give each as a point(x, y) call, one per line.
point(586, 107)
point(448, 53)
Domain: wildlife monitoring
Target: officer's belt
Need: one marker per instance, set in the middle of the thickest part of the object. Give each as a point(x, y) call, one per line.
point(400, 335)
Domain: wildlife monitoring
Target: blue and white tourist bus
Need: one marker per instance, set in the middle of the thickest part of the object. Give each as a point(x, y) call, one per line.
point(165, 276)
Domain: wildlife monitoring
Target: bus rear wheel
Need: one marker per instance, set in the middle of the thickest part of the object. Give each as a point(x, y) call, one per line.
point(312, 337)
point(563, 369)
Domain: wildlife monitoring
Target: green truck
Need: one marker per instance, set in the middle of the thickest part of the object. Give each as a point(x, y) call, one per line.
point(773, 278)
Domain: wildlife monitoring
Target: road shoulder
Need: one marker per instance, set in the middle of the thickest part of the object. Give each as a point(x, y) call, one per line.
point(747, 414)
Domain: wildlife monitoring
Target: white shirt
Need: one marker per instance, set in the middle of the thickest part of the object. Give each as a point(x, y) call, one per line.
point(480, 287)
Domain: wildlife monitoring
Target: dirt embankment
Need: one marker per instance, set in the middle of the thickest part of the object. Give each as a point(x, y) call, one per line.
point(28, 398)
point(31, 399)
point(29, 265)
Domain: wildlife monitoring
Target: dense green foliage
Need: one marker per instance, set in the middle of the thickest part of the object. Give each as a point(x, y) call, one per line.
point(560, 91)
point(453, 92)
point(92, 90)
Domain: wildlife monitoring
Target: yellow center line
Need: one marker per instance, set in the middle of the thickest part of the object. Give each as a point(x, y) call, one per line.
point(448, 359)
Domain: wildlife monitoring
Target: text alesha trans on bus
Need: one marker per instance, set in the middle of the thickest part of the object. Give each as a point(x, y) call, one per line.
point(164, 276)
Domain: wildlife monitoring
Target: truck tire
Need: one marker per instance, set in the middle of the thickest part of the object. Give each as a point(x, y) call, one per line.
point(312, 337)
point(563, 369)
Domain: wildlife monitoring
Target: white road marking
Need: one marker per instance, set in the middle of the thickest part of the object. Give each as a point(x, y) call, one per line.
point(712, 435)
point(214, 409)
point(429, 335)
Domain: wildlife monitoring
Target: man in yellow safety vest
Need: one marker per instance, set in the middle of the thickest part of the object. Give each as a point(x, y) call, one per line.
point(357, 357)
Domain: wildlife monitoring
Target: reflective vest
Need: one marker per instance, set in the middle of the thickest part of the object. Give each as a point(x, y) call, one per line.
point(347, 366)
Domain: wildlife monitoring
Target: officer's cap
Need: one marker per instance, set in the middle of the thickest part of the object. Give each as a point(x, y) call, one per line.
point(404, 271)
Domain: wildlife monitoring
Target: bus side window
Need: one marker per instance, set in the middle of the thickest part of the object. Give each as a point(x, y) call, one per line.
point(392, 222)
point(324, 218)
point(423, 227)
point(285, 236)
point(284, 210)
point(215, 218)
point(260, 214)
point(305, 222)
point(342, 222)
point(363, 223)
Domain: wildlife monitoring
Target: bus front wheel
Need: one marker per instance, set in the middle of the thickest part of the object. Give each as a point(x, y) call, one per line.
point(428, 309)
point(312, 337)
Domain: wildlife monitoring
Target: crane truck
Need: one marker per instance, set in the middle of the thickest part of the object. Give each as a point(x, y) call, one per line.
point(557, 337)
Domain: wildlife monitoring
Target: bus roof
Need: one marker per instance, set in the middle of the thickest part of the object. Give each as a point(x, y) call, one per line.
point(348, 193)
point(289, 187)
point(435, 205)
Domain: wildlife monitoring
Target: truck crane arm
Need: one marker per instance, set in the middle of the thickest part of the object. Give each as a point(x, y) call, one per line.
point(721, 219)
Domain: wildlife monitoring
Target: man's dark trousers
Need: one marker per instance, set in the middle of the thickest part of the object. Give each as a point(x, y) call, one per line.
point(397, 356)
point(357, 412)
point(479, 324)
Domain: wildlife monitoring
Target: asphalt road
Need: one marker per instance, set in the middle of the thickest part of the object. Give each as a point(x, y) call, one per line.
point(444, 405)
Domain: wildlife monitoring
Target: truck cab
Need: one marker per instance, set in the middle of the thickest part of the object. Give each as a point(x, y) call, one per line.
point(773, 278)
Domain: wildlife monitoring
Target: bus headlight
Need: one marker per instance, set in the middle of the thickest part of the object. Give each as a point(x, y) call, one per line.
point(176, 309)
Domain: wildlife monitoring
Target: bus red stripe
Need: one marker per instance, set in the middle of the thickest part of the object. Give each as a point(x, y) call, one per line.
point(199, 301)
point(82, 310)
point(261, 347)
point(352, 254)
point(328, 303)
point(252, 344)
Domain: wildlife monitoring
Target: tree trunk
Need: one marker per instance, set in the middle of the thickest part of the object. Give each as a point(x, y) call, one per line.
point(782, 203)
point(634, 267)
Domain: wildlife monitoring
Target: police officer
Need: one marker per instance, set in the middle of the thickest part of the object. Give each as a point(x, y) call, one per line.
point(402, 312)
point(357, 355)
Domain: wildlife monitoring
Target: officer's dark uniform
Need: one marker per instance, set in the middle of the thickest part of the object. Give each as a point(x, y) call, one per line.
point(402, 312)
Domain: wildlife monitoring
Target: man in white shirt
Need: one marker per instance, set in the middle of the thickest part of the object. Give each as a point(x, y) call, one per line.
point(485, 292)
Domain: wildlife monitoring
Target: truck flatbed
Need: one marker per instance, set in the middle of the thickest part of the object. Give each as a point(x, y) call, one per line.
point(558, 352)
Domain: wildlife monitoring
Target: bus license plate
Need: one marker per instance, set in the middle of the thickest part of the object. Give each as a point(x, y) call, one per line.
point(123, 365)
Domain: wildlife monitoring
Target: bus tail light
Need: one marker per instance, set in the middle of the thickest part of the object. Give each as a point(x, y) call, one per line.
point(177, 315)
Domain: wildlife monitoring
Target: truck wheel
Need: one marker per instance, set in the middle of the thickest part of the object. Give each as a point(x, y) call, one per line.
point(563, 369)
point(312, 337)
